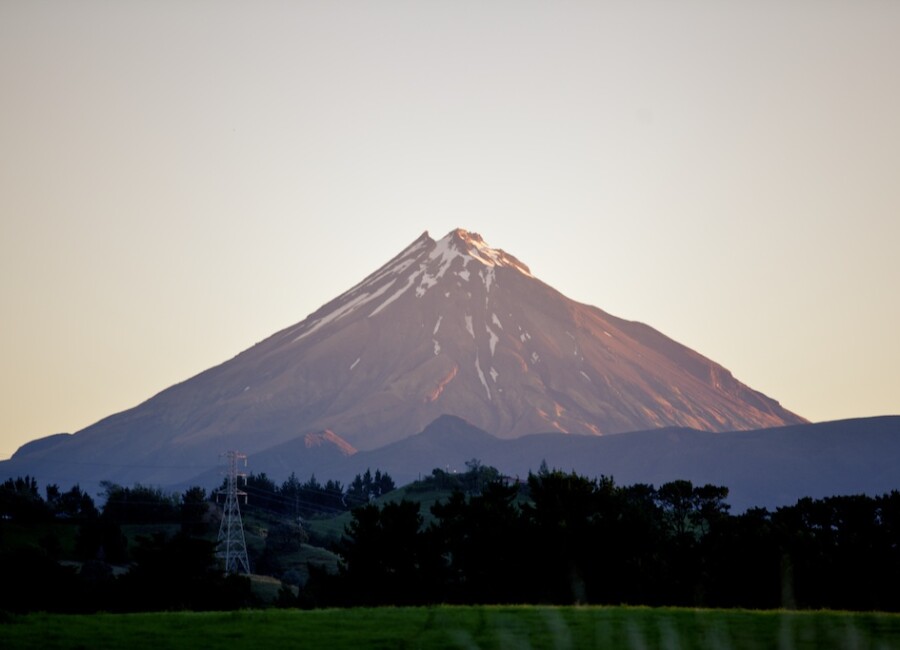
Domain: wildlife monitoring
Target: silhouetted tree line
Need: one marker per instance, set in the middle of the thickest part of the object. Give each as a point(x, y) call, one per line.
point(173, 567)
point(20, 500)
point(555, 538)
point(473, 480)
point(563, 538)
point(366, 487)
point(169, 570)
point(295, 499)
point(166, 572)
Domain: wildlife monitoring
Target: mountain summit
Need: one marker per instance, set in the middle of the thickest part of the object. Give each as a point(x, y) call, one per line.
point(448, 326)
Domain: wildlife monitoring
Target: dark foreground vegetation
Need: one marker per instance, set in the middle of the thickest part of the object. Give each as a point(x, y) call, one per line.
point(561, 538)
point(556, 538)
point(537, 628)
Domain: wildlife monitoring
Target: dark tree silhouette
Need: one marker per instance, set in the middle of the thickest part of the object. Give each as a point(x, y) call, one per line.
point(479, 539)
point(382, 551)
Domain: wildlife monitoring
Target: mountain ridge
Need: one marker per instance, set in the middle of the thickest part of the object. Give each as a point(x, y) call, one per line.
point(763, 467)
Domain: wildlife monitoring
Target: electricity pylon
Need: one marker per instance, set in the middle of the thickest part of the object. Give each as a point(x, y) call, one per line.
point(232, 547)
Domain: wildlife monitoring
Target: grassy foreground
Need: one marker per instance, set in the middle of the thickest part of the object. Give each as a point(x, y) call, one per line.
point(459, 627)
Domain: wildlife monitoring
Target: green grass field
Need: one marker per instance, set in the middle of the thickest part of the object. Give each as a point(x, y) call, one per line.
point(465, 628)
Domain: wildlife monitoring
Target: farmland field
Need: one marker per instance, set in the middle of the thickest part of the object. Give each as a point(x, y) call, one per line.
point(459, 627)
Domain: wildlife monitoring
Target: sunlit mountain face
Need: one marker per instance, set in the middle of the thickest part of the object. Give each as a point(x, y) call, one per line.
point(455, 326)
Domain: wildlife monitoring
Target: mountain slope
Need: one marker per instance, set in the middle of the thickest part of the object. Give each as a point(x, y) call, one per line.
point(445, 327)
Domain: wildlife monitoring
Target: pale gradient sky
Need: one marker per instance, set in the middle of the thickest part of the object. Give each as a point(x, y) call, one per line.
point(178, 180)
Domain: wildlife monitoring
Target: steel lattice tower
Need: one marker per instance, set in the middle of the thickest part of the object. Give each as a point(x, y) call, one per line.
point(232, 547)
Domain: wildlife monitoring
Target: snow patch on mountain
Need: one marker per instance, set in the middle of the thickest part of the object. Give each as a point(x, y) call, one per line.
point(400, 263)
point(394, 297)
point(488, 279)
point(493, 340)
point(394, 269)
point(345, 309)
point(444, 253)
point(427, 282)
point(482, 377)
point(422, 264)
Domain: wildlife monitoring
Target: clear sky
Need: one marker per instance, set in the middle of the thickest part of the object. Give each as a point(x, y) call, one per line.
point(178, 180)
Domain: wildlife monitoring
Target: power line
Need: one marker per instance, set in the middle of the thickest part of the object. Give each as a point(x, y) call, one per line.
point(232, 547)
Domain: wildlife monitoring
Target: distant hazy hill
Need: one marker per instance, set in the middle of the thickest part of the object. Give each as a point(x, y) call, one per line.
point(766, 467)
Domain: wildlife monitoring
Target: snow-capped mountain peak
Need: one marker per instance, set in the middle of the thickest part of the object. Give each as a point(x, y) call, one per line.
point(416, 270)
point(472, 245)
point(451, 326)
